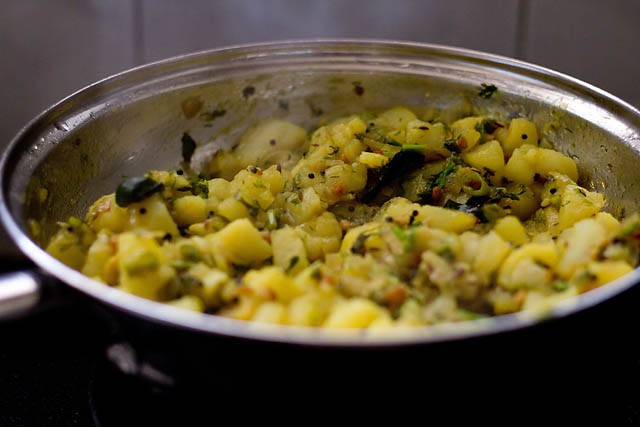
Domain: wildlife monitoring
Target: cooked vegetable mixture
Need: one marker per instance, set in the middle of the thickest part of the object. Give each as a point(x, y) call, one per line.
point(372, 221)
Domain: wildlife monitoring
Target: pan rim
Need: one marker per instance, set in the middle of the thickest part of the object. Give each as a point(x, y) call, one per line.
point(175, 317)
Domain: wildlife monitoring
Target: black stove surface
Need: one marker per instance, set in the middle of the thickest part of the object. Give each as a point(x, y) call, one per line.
point(53, 372)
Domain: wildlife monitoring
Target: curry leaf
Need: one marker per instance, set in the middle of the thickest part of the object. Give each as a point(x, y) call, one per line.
point(136, 189)
point(487, 90)
point(188, 147)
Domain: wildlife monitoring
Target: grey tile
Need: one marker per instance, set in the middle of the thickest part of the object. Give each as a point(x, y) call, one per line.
point(51, 49)
point(171, 28)
point(593, 40)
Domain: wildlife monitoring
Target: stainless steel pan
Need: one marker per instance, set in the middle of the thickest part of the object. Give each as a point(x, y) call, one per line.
point(125, 125)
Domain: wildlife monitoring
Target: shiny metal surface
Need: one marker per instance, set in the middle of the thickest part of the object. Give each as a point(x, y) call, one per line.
point(132, 122)
point(19, 293)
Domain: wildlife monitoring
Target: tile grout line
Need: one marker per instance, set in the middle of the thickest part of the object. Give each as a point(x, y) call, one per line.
point(522, 28)
point(138, 32)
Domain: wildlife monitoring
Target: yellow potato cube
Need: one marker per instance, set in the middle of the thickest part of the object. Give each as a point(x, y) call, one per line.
point(232, 209)
point(255, 146)
point(354, 313)
point(105, 214)
point(310, 309)
point(608, 271)
point(431, 135)
point(142, 265)
point(525, 266)
point(576, 204)
point(370, 229)
point(491, 251)
point(511, 229)
point(528, 160)
point(151, 214)
point(521, 167)
point(242, 243)
point(188, 302)
point(460, 126)
point(446, 219)
point(487, 156)
point(289, 252)
point(373, 160)
point(219, 188)
point(272, 283)
point(189, 210)
point(521, 131)
point(395, 118)
point(270, 312)
point(581, 244)
point(98, 255)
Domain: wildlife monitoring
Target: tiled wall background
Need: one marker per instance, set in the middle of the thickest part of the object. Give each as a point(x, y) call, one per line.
point(51, 48)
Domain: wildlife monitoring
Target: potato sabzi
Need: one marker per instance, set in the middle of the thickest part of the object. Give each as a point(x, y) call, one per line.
point(370, 221)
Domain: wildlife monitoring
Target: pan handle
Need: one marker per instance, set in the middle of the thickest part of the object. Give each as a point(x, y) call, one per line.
point(20, 292)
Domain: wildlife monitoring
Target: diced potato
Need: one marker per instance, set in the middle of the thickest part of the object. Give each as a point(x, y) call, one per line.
point(310, 309)
point(462, 125)
point(526, 204)
point(401, 209)
point(469, 139)
point(521, 167)
point(580, 244)
point(213, 281)
point(66, 247)
point(321, 235)
point(272, 283)
point(242, 243)
point(608, 221)
point(188, 302)
point(189, 210)
point(354, 313)
point(105, 214)
point(353, 234)
point(232, 209)
point(142, 265)
point(302, 209)
point(252, 189)
point(373, 160)
point(521, 131)
point(270, 312)
point(219, 188)
point(151, 214)
point(446, 219)
point(491, 251)
point(548, 161)
point(431, 135)
point(576, 204)
point(608, 271)
point(98, 255)
point(511, 229)
point(395, 118)
point(289, 252)
point(528, 160)
point(342, 181)
point(527, 266)
point(273, 179)
point(255, 146)
point(487, 156)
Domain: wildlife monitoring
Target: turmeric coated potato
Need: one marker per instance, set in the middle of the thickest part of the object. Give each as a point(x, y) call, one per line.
point(373, 220)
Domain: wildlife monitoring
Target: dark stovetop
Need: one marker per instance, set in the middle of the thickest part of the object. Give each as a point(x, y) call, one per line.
point(53, 373)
